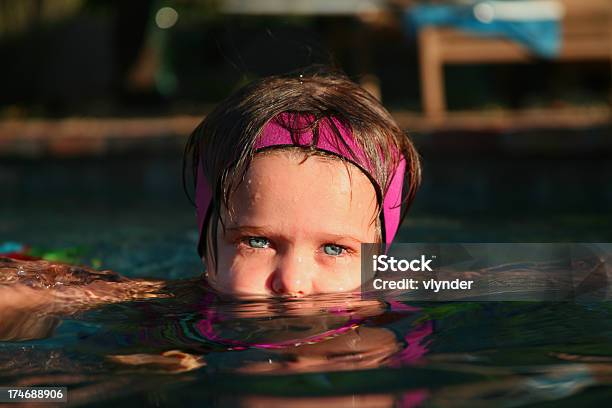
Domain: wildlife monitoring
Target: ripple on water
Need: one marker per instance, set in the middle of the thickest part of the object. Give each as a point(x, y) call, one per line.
point(187, 345)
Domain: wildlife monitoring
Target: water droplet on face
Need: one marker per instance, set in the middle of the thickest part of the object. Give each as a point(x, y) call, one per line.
point(300, 260)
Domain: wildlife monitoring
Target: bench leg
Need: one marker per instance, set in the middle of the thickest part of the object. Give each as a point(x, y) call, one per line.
point(432, 74)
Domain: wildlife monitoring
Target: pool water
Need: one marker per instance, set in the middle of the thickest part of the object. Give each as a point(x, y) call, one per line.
point(173, 351)
point(183, 348)
point(159, 353)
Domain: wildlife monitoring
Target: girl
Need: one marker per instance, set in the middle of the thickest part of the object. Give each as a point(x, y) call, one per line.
point(292, 174)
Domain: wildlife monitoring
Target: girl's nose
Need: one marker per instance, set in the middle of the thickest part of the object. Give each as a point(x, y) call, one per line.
point(293, 276)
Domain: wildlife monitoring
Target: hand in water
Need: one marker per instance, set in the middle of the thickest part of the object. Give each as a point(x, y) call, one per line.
point(25, 313)
point(34, 294)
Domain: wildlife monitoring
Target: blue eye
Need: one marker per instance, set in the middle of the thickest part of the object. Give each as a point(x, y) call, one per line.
point(334, 250)
point(258, 242)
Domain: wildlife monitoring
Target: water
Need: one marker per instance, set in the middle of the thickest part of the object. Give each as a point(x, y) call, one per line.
point(190, 349)
point(175, 346)
point(170, 344)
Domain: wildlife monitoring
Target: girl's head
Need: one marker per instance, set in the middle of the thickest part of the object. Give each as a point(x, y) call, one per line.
point(292, 174)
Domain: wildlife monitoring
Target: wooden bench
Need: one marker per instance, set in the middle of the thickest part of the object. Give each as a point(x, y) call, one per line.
point(587, 35)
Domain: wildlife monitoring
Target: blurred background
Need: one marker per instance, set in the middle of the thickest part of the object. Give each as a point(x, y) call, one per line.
point(508, 102)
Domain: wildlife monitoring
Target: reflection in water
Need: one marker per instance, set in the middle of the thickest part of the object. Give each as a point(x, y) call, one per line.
point(362, 401)
point(177, 343)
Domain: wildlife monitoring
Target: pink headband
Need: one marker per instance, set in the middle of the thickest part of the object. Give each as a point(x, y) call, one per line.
point(281, 131)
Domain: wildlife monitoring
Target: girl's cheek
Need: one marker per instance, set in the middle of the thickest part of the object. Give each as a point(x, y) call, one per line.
point(249, 271)
point(339, 264)
point(339, 274)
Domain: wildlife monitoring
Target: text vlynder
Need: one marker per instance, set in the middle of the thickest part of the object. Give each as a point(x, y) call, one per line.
point(384, 263)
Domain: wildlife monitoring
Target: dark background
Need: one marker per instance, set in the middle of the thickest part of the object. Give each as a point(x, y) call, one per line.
point(104, 60)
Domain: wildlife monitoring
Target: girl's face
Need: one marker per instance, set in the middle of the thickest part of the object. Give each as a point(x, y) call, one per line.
point(297, 227)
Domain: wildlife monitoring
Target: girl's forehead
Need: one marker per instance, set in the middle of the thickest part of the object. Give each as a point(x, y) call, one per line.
point(303, 162)
point(275, 170)
point(287, 188)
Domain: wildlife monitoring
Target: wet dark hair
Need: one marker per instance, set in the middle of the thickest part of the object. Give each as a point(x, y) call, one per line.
point(224, 141)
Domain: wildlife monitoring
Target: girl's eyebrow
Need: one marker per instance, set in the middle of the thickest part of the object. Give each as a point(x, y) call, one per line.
point(266, 231)
point(249, 228)
point(340, 237)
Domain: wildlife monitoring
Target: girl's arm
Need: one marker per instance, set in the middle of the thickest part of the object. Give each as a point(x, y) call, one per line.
point(35, 294)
